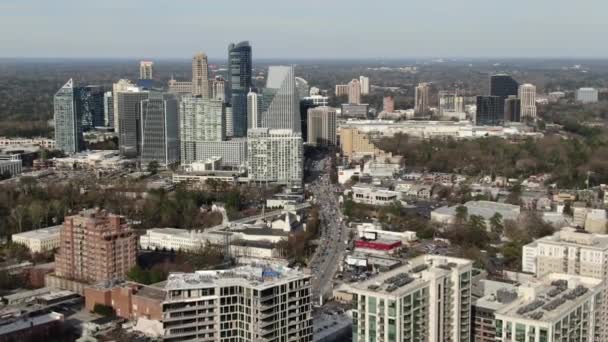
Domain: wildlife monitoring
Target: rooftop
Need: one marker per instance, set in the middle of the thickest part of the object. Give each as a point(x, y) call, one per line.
point(574, 237)
point(486, 209)
point(43, 233)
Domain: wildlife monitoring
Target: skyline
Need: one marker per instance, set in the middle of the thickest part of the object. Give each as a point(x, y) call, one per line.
point(310, 30)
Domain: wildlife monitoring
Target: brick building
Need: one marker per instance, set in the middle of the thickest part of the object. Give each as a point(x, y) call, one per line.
point(129, 300)
point(95, 246)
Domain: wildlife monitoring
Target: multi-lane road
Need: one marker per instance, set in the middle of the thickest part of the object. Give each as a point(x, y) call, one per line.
point(329, 254)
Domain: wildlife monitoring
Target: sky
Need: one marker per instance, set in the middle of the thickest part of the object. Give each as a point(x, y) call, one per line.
point(353, 29)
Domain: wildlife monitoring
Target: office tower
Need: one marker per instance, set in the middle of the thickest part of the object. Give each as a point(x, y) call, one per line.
point(429, 299)
point(219, 89)
point(280, 105)
point(229, 117)
point(179, 87)
point(450, 103)
point(108, 109)
point(512, 109)
point(307, 103)
point(91, 106)
point(200, 121)
point(587, 95)
point(68, 129)
point(356, 144)
point(200, 76)
point(388, 104)
point(354, 92)
point(503, 85)
point(527, 97)
point(145, 70)
point(421, 99)
point(302, 87)
point(95, 246)
point(120, 86)
point(275, 155)
point(322, 126)
point(129, 114)
point(239, 73)
point(342, 89)
point(159, 130)
point(245, 303)
point(364, 81)
point(489, 111)
point(253, 111)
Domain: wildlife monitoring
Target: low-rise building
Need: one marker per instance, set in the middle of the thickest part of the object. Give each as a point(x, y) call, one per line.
point(34, 327)
point(369, 194)
point(128, 299)
point(172, 239)
point(485, 209)
point(11, 165)
point(39, 240)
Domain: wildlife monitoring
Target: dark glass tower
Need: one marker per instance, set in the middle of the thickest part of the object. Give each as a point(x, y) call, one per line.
point(489, 111)
point(239, 74)
point(503, 86)
point(513, 109)
point(90, 100)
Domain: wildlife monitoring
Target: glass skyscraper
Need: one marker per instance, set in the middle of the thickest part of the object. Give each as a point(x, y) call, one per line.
point(68, 129)
point(280, 103)
point(239, 74)
point(91, 103)
point(129, 114)
point(159, 129)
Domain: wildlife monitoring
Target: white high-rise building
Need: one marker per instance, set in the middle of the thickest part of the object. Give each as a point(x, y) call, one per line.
point(108, 109)
point(200, 76)
point(145, 70)
point(429, 299)
point(587, 95)
point(322, 126)
point(200, 121)
point(219, 89)
point(354, 92)
point(451, 105)
point(527, 97)
point(364, 85)
point(280, 106)
point(253, 111)
point(275, 155)
point(245, 303)
point(421, 98)
point(122, 85)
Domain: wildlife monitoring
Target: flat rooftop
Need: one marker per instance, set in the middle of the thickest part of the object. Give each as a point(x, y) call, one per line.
point(574, 237)
point(485, 209)
point(43, 233)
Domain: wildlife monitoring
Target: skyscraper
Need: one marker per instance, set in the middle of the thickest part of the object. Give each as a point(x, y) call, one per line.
point(145, 70)
point(421, 99)
point(451, 105)
point(239, 73)
point(503, 86)
point(200, 76)
point(275, 155)
point(388, 104)
point(108, 109)
point(68, 129)
point(200, 121)
point(253, 110)
point(527, 96)
point(302, 87)
point(364, 85)
point(322, 126)
point(91, 106)
point(341, 89)
point(159, 129)
point(129, 115)
point(490, 111)
point(280, 105)
point(219, 89)
point(512, 109)
point(120, 86)
point(354, 92)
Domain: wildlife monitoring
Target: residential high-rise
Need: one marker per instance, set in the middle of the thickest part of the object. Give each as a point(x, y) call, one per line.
point(68, 128)
point(429, 299)
point(354, 92)
point(356, 144)
point(120, 86)
point(489, 111)
point(322, 126)
point(180, 87)
point(200, 121)
point(274, 155)
point(145, 70)
point(388, 104)
point(108, 109)
point(91, 106)
point(527, 97)
point(219, 89)
point(512, 109)
point(342, 89)
point(364, 81)
point(95, 246)
point(129, 114)
point(587, 95)
point(450, 104)
point(253, 111)
point(159, 130)
point(421, 99)
point(239, 73)
point(307, 103)
point(280, 107)
point(200, 76)
point(246, 303)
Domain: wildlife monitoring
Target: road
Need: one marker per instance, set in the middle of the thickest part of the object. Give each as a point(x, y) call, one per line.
point(329, 254)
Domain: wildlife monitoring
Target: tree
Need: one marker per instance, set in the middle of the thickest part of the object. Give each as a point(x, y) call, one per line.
point(496, 225)
point(568, 209)
point(153, 167)
point(104, 310)
point(461, 213)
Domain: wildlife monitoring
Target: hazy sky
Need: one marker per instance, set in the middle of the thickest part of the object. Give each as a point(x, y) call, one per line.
point(304, 29)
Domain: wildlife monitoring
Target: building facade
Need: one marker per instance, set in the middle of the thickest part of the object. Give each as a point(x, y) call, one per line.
point(39, 240)
point(275, 155)
point(280, 106)
point(253, 111)
point(159, 130)
point(200, 76)
point(239, 73)
point(490, 111)
point(354, 92)
point(587, 95)
point(364, 81)
point(95, 246)
point(512, 109)
point(322, 126)
point(108, 109)
point(180, 87)
point(388, 104)
point(145, 70)
point(11, 165)
point(122, 85)
point(129, 117)
point(527, 97)
point(200, 121)
point(90, 100)
point(421, 98)
point(68, 126)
